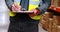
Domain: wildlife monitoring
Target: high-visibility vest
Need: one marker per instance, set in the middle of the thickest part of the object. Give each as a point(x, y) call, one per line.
point(32, 5)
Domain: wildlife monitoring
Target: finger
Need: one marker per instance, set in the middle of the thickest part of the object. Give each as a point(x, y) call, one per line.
point(17, 6)
point(13, 6)
point(15, 9)
point(35, 12)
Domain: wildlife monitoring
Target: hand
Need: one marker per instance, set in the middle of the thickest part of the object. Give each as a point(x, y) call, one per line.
point(16, 7)
point(35, 12)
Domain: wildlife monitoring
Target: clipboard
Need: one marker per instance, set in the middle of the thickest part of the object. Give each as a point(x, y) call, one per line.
point(23, 12)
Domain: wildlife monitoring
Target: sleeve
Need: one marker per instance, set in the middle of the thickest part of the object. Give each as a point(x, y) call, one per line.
point(9, 3)
point(46, 4)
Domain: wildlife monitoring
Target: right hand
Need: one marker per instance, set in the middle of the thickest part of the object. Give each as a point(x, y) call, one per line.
point(16, 7)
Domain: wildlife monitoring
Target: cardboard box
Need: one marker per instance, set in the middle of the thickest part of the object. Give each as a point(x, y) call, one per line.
point(45, 20)
point(50, 24)
point(58, 28)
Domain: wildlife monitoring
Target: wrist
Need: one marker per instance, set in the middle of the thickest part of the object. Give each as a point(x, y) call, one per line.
point(38, 11)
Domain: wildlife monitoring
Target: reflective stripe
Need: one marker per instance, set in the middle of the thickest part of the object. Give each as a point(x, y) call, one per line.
point(17, 0)
point(34, 3)
point(34, 0)
point(32, 6)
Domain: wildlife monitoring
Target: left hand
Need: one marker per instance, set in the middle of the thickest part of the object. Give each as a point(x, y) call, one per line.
point(35, 12)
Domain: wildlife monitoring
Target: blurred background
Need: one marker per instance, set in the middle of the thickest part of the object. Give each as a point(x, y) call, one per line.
point(50, 20)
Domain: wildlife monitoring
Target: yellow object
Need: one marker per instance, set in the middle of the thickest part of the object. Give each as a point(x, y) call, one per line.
point(12, 14)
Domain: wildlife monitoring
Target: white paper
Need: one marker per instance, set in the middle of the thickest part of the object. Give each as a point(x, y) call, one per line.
point(24, 11)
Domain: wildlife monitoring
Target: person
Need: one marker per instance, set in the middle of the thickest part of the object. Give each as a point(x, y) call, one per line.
point(26, 22)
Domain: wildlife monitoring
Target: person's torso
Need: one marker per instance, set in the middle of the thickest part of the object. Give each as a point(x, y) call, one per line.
point(29, 5)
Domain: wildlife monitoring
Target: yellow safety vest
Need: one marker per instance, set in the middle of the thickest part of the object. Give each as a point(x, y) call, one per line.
point(32, 5)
